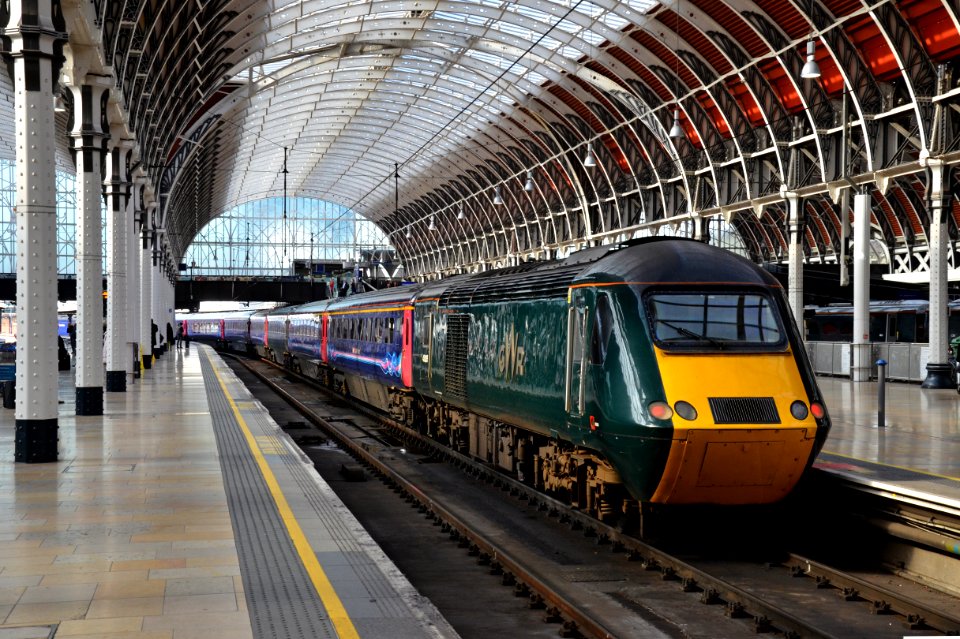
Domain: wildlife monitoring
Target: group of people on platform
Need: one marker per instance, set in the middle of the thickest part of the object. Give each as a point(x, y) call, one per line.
point(181, 338)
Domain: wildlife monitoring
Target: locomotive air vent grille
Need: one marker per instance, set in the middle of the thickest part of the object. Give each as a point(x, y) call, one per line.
point(744, 410)
point(455, 357)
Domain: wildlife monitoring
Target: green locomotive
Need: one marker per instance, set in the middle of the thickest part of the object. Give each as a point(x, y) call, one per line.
point(660, 370)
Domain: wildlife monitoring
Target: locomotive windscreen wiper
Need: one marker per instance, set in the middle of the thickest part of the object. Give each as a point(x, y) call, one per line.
point(688, 333)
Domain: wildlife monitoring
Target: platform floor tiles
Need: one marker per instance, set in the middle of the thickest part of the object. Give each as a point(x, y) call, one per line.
point(922, 428)
point(128, 535)
point(918, 449)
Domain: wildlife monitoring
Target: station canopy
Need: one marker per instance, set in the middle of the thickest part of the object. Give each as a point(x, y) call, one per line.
point(423, 116)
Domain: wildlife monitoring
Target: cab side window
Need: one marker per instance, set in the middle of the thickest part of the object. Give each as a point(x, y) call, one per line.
point(602, 329)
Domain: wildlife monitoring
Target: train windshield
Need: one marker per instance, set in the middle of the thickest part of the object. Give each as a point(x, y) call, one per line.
point(712, 320)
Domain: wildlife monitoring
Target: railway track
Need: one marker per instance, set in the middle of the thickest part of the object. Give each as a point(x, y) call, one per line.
point(793, 597)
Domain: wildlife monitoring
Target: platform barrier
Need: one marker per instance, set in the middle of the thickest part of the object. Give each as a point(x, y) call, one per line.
point(905, 361)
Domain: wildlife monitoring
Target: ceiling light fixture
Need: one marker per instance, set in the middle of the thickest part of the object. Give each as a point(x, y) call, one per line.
point(676, 131)
point(460, 215)
point(811, 70)
point(497, 198)
point(588, 159)
point(528, 187)
point(431, 226)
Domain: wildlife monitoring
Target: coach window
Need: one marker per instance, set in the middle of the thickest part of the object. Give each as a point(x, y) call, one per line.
point(391, 330)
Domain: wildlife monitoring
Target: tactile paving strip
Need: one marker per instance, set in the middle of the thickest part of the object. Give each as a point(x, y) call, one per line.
point(280, 596)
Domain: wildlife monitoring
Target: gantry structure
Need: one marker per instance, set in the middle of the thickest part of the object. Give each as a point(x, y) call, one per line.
point(483, 133)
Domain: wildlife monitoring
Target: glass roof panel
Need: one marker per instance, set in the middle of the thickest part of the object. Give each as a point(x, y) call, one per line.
point(353, 85)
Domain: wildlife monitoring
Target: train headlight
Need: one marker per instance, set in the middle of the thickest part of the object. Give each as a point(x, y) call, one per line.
point(799, 410)
point(660, 410)
point(818, 410)
point(685, 410)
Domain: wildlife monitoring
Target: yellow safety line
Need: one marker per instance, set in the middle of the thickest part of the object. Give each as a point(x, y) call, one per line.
point(877, 463)
point(338, 614)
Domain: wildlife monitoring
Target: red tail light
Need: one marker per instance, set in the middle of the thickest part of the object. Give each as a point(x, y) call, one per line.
point(660, 410)
point(818, 410)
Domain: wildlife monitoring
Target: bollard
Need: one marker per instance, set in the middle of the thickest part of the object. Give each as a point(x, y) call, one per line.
point(881, 393)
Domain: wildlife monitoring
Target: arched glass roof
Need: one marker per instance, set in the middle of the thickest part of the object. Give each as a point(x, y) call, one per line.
point(235, 100)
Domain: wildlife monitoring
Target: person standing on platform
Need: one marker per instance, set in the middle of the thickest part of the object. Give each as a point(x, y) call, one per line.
point(72, 334)
point(179, 336)
point(169, 335)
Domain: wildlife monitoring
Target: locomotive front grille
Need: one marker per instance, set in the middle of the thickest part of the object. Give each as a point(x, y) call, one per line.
point(744, 410)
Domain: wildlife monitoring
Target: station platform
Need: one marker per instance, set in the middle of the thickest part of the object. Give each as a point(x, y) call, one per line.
point(916, 455)
point(184, 512)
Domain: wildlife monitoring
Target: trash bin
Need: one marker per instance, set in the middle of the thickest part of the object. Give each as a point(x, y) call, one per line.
point(954, 359)
point(8, 380)
point(9, 390)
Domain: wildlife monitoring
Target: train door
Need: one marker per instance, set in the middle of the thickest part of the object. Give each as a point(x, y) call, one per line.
point(428, 336)
point(576, 359)
point(406, 348)
point(324, 327)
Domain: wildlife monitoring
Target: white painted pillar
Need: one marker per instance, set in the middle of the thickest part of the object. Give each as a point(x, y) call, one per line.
point(134, 210)
point(156, 276)
point(862, 359)
point(117, 230)
point(88, 137)
point(32, 35)
point(939, 371)
point(168, 319)
point(795, 259)
point(146, 281)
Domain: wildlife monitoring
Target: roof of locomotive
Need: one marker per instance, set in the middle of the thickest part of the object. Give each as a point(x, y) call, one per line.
point(657, 260)
point(652, 259)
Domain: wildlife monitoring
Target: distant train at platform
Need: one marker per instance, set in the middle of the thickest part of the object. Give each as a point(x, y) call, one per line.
point(890, 321)
point(658, 371)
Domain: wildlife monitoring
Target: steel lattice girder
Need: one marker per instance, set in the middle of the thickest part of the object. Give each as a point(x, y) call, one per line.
point(466, 96)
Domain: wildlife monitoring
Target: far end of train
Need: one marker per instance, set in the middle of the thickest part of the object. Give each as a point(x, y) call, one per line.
point(656, 371)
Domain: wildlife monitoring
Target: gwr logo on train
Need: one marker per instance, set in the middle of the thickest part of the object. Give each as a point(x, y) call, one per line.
point(511, 358)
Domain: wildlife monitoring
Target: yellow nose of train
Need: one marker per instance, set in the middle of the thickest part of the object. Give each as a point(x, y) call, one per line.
point(745, 440)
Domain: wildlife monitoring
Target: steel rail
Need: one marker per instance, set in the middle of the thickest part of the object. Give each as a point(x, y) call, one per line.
point(766, 616)
point(918, 615)
point(584, 623)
